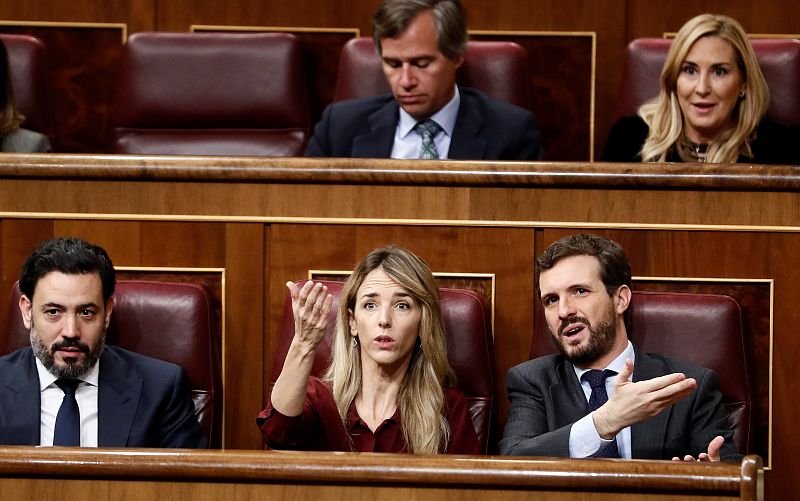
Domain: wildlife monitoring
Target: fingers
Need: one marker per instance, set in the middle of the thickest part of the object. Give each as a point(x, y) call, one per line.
point(713, 449)
point(294, 290)
point(625, 374)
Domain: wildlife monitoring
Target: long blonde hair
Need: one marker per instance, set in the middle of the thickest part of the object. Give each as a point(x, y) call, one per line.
point(10, 117)
point(421, 398)
point(663, 113)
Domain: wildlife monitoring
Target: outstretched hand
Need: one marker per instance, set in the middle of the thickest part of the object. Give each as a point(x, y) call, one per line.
point(633, 403)
point(713, 451)
point(310, 306)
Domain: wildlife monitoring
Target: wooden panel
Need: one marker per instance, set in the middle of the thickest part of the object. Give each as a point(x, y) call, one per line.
point(65, 474)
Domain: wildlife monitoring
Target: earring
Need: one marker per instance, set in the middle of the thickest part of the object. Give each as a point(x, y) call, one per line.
point(355, 341)
point(741, 93)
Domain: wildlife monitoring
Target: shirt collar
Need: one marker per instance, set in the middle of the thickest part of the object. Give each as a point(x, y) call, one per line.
point(617, 364)
point(354, 420)
point(445, 117)
point(47, 379)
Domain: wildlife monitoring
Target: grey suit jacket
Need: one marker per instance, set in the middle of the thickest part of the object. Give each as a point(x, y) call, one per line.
point(142, 402)
point(546, 399)
point(24, 141)
point(486, 129)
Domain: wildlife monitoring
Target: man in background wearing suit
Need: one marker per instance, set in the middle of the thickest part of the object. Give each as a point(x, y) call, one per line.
point(640, 405)
point(422, 44)
point(68, 387)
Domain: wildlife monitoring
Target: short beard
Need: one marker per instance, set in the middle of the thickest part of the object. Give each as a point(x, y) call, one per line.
point(74, 370)
point(601, 339)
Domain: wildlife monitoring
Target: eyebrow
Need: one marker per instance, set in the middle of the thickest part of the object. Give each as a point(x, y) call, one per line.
point(375, 294)
point(61, 306)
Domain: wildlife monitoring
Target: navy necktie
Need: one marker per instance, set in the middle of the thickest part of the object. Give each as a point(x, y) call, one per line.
point(597, 380)
point(68, 420)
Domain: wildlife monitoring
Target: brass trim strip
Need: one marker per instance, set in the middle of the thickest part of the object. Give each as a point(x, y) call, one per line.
point(59, 24)
point(287, 29)
point(391, 221)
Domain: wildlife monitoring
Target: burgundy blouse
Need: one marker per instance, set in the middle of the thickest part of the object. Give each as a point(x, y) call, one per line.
point(319, 427)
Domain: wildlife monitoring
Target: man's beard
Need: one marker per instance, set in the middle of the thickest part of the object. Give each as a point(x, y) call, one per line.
point(70, 369)
point(601, 339)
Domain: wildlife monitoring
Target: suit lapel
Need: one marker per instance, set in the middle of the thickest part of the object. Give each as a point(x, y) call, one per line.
point(466, 143)
point(377, 143)
point(118, 400)
point(20, 403)
point(569, 402)
point(650, 434)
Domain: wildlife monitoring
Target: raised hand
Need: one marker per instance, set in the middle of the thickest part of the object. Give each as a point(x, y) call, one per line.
point(632, 402)
point(310, 306)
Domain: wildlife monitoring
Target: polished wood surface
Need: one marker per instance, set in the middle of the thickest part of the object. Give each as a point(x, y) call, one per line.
point(265, 221)
point(79, 472)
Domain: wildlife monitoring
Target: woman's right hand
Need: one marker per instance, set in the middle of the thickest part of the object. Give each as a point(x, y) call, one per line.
point(310, 306)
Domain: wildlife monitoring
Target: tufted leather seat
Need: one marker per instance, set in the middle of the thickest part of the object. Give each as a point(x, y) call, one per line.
point(779, 60)
point(27, 59)
point(704, 329)
point(470, 349)
point(498, 69)
point(170, 321)
point(212, 94)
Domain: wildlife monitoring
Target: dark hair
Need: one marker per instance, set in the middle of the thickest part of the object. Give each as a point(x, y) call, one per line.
point(615, 270)
point(393, 17)
point(71, 256)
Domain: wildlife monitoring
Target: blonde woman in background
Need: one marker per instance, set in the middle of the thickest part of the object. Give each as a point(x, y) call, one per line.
point(710, 107)
point(13, 138)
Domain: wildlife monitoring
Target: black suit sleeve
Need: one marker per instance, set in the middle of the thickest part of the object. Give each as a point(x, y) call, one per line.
point(178, 426)
point(709, 419)
point(320, 143)
point(526, 432)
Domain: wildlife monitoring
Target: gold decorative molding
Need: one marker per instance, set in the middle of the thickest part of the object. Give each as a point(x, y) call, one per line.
point(194, 28)
point(57, 24)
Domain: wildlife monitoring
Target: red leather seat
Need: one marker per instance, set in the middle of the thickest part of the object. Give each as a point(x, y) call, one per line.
point(704, 329)
point(170, 321)
point(470, 349)
point(27, 60)
point(498, 69)
point(212, 94)
point(779, 60)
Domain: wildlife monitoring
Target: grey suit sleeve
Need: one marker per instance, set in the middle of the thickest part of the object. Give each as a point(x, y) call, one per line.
point(178, 426)
point(526, 432)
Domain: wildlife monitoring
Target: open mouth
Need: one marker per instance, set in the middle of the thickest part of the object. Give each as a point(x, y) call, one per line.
point(572, 330)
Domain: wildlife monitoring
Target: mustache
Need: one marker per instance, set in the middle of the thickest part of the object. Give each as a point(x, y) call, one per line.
point(574, 319)
point(69, 343)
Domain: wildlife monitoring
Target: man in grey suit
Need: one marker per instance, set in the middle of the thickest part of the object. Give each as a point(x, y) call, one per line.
point(599, 397)
point(427, 116)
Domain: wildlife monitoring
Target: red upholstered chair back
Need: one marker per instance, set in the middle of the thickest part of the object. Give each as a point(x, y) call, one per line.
point(170, 321)
point(470, 349)
point(27, 59)
point(779, 60)
point(704, 329)
point(212, 94)
point(499, 69)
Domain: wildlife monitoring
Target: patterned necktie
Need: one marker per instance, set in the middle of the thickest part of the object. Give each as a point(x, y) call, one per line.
point(597, 380)
point(68, 420)
point(428, 130)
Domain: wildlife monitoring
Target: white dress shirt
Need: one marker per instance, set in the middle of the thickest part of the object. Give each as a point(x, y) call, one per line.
point(52, 396)
point(583, 437)
point(407, 143)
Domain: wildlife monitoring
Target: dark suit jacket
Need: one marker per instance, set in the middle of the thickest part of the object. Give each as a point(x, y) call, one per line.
point(142, 402)
point(546, 399)
point(486, 129)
